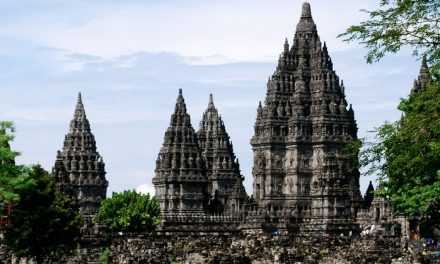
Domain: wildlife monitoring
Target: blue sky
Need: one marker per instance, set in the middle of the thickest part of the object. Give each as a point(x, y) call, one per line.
point(129, 58)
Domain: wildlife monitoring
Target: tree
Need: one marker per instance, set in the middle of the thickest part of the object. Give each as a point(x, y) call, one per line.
point(413, 23)
point(43, 225)
point(129, 211)
point(406, 155)
point(11, 175)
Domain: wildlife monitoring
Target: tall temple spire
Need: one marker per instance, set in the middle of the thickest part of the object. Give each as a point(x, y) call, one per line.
point(180, 180)
point(218, 154)
point(423, 79)
point(299, 132)
point(79, 169)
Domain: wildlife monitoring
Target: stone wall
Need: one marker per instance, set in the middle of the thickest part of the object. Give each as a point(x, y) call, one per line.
point(247, 248)
point(255, 248)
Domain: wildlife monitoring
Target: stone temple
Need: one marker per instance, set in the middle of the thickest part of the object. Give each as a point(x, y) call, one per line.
point(79, 169)
point(197, 173)
point(304, 178)
point(302, 175)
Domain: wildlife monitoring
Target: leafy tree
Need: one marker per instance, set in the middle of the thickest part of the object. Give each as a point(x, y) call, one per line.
point(406, 155)
point(129, 211)
point(11, 175)
point(413, 23)
point(43, 225)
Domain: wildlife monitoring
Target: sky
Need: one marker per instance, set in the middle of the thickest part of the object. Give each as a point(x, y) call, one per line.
point(129, 58)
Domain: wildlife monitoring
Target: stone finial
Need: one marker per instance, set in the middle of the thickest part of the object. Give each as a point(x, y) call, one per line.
point(306, 11)
point(424, 74)
point(79, 121)
point(306, 23)
point(211, 102)
point(424, 64)
point(259, 110)
point(286, 46)
point(180, 104)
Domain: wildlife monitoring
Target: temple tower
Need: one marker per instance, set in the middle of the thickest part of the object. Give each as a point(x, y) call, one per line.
point(301, 172)
point(424, 78)
point(79, 169)
point(180, 181)
point(223, 169)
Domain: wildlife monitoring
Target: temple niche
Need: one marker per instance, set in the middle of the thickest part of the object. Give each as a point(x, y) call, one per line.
point(79, 169)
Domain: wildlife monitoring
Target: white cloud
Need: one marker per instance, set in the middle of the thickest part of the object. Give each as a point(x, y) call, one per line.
point(146, 188)
point(209, 31)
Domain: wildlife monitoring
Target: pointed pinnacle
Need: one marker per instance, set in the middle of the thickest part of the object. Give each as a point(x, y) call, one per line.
point(424, 68)
point(306, 12)
point(424, 64)
point(286, 46)
point(79, 111)
point(211, 102)
point(180, 103)
point(306, 23)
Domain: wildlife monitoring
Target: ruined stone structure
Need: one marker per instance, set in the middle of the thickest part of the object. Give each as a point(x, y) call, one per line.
point(376, 211)
point(79, 169)
point(301, 173)
point(197, 173)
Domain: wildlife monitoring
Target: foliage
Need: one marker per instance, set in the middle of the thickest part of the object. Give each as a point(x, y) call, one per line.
point(413, 23)
point(105, 256)
point(43, 225)
point(129, 211)
point(11, 175)
point(406, 155)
